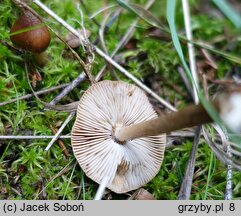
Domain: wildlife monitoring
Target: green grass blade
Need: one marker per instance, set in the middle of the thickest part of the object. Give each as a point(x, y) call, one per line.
point(83, 185)
point(211, 169)
point(229, 12)
point(25, 30)
point(141, 13)
point(153, 21)
point(70, 179)
point(170, 11)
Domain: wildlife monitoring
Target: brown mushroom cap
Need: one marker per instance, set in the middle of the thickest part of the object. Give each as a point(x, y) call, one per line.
point(104, 107)
point(36, 40)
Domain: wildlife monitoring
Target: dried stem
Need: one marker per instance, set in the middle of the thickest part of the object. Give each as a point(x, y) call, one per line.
point(88, 12)
point(44, 91)
point(19, 137)
point(61, 143)
point(25, 6)
point(124, 40)
point(69, 88)
point(185, 190)
point(82, 63)
point(68, 119)
point(185, 80)
point(81, 77)
point(106, 57)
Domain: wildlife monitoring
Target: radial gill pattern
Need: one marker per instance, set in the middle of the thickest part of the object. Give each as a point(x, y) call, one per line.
point(104, 107)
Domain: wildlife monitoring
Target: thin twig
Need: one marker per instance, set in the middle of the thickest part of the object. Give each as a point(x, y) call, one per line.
point(66, 169)
point(65, 108)
point(228, 191)
point(185, 80)
point(44, 91)
point(61, 143)
point(22, 4)
point(82, 76)
point(102, 44)
point(88, 13)
point(209, 59)
point(84, 66)
point(69, 88)
point(56, 136)
point(219, 152)
point(124, 40)
point(185, 190)
point(106, 57)
point(20, 137)
point(226, 148)
point(12, 48)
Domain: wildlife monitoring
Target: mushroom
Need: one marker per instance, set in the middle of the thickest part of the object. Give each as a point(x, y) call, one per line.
point(36, 40)
point(103, 108)
point(118, 139)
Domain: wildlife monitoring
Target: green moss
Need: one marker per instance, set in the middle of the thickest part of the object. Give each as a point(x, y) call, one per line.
point(51, 171)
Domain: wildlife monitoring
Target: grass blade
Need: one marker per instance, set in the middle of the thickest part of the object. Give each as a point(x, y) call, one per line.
point(153, 21)
point(170, 11)
point(229, 12)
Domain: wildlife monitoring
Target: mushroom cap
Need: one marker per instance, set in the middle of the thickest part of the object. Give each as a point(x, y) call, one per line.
point(230, 110)
point(104, 107)
point(36, 40)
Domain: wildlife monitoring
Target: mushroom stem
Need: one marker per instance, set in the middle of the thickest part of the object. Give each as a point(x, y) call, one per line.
point(189, 116)
point(41, 59)
point(102, 188)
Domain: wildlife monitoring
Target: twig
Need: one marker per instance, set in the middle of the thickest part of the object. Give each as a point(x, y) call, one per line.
point(186, 186)
point(63, 171)
point(22, 4)
point(88, 13)
point(13, 137)
point(66, 169)
point(56, 136)
point(101, 33)
point(185, 190)
point(20, 137)
point(228, 191)
point(44, 91)
point(69, 88)
point(219, 152)
point(84, 66)
point(16, 191)
point(227, 148)
point(185, 80)
point(61, 143)
point(65, 108)
point(106, 57)
point(124, 40)
point(102, 44)
point(10, 47)
point(209, 58)
point(82, 76)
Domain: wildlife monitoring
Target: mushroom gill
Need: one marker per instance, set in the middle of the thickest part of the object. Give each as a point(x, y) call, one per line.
point(105, 107)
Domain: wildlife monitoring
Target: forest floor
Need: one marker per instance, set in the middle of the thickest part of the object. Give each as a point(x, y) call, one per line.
point(27, 171)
